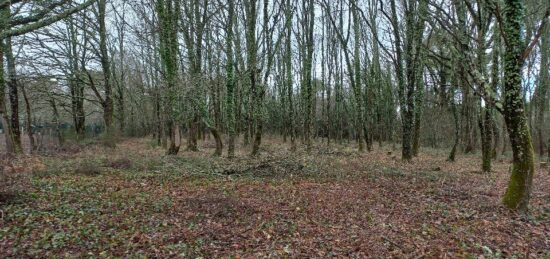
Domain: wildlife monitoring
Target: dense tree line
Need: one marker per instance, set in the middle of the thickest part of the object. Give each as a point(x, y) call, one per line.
point(442, 73)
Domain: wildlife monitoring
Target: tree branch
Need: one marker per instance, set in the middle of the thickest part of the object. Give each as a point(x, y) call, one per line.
point(45, 22)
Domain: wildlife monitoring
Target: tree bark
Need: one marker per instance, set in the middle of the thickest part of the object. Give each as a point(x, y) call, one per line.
point(230, 81)
point(541, 92)
point(108, 107)
point(13, 96)
point(523, 167)
point(28, 123)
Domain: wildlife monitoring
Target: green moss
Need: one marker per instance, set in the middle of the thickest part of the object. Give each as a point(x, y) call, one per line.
point(516, 189)
point(519, 187)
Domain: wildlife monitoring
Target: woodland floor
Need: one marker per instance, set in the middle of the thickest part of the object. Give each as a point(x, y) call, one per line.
point(334, 202)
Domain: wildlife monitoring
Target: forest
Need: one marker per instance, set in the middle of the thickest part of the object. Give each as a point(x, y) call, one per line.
point(275, 128)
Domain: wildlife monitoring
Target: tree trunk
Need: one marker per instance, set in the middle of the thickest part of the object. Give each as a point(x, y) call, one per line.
point(415, 21)
point(523, 167)
point(10, 148)
point(175, 139)
point(419, 102)
point(28, 124)
point(541, 91)
point(356, 82)
point(252, 67)
point(230, 81)
point(288, 74)
point(193, 134)
point(452, 154)
point(495, 82)
point(75, 84)
point(167, 16)
point(105, 65)
point(218, 138)
point(486, 138)
point(307, 65)
point(56, 122)
point(13, 97)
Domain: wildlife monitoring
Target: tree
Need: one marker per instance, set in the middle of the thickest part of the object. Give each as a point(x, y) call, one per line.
point(353, 68)
point(356, 82)
point(167, 13)
point(307, 88)
point(230, 81)
point(541, 92)
point(107, 101)
point(288, 74)
point(523, 165)
point(11, 26)
point(408, 66)
point(194, 19)
point(13, 95)
point(252, 72)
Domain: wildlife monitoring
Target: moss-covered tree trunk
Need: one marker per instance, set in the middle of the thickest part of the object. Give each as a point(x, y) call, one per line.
point(75, 84)
point(405, 148)
point(4, 117)
point(255, 108)
point(166, 12)
point(108, 106)
point(378, 83)
point(257, 86)
point(415, 20)
point(230, 81)
point(541, 91)
point(485, 113)
point(418, 106)
point(307, 66)
point(288, 74)
point(418, 65)
point(523, 167)
point(356, 81)
point(467, 109)
point(486, 138)
point(13, 94)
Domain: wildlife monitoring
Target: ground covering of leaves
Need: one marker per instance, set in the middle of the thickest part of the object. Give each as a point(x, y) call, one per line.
point(334, 202)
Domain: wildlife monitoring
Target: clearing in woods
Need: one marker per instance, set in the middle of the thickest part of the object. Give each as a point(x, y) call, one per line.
point(133, 200)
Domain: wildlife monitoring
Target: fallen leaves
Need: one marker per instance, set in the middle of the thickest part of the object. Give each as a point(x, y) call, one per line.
point(335, 203)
